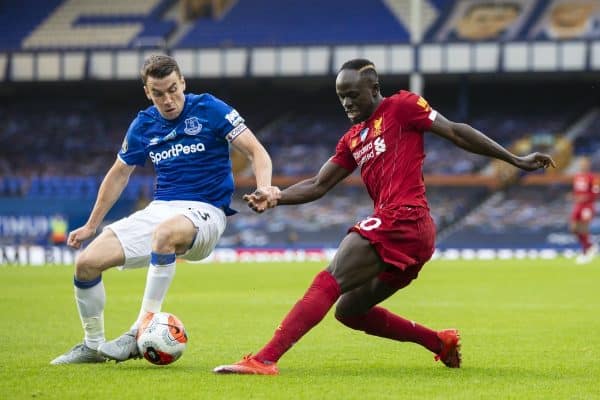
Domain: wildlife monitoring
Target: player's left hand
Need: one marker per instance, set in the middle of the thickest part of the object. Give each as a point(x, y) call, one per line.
point(534, 161)
point(263, 198)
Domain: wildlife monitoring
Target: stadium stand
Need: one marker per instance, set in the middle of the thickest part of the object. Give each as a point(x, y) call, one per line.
point(91, 132)
point(565, 20)
point(297, 22)
point(521, 217)
point(52, 162)
point(299, 141)
point(19, 18)
point(588, 142)
point(473, 20)
point(76, 24)
point(323, 223)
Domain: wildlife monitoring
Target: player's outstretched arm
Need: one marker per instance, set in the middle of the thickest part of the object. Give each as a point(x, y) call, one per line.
point(110, 190)
point(314, 188)
point(302, 192)
point(472, 140)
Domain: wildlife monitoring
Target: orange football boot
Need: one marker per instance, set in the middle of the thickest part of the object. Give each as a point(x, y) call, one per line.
point(450, 353)
point(248, 366)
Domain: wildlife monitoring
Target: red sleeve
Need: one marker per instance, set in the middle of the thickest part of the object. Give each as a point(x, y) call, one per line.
point(343, 155)
point(413, 110)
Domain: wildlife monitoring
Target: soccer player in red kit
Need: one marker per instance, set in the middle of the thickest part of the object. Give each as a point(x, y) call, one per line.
point(586, 188)
point(384, 252)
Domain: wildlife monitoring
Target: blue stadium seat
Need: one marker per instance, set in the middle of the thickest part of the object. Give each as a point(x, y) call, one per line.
point(19, 18)
point(26, 24)
point(299, 22)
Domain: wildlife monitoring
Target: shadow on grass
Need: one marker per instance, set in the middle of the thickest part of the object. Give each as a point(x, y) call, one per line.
point(327, 371)
point(419, 371)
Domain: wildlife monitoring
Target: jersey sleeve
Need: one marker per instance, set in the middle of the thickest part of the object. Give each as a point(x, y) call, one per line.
point(415, 111)
point(343, 155)
point(132, 150)
point(226, 122)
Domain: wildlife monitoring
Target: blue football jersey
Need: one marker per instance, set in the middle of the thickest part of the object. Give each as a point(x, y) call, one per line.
point(190, 153)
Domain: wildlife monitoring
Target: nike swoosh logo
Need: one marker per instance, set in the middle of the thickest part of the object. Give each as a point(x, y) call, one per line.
point(173, 328)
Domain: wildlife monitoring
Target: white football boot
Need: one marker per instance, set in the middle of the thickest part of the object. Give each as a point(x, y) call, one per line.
point(592, 251)
point(80, 354)
point(122, 348)
point(588, 256)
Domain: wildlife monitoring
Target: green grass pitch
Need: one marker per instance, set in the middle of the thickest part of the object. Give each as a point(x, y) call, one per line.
point(530, 330)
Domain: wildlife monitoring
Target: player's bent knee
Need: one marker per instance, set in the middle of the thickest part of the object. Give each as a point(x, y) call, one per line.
point(348, 307)
point(340, 317)
point(86, 267)
point(353, 322)
point(162, 240)
point(341, 310)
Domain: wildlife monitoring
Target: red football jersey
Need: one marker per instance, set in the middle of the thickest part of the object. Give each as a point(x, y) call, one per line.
point(585, 187)
point(389, 149)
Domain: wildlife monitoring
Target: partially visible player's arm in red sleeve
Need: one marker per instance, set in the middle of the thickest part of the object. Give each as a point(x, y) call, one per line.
point(472, 140)
point(338, 167)
point(313, 188)
point(333, 171)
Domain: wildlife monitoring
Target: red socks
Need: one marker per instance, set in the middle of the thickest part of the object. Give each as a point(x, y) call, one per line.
point(584, 240)
point(315, 304)
point(307, 312)
point(380, 322)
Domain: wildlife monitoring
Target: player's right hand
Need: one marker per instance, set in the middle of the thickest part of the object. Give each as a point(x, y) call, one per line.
point(263, 198)
point(79, 235)
point(534, 161)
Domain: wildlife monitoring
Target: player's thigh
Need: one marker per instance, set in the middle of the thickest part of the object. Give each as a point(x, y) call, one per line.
point(104, 252)
point(581, 217)
point(587, 214)
point(177, 231)
point(358, 301)
point(209, 224)
point(580, 226)
point(355, 262)
point(135, 233)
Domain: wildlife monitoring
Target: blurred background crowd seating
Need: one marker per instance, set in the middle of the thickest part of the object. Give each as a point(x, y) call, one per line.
point(64, 111)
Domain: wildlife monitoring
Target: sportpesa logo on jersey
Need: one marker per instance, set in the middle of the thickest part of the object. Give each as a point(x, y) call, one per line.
point(175, 151)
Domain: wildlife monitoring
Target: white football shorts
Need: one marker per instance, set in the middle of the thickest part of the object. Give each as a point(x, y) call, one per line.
point(135, 232)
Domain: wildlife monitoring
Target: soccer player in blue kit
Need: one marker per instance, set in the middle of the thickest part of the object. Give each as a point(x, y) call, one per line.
point(187, 138)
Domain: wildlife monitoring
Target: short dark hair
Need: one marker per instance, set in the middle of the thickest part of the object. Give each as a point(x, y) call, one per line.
point(159, 66)
point(362, 65)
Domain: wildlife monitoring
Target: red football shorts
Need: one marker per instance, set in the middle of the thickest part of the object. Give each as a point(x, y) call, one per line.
point(404, 238)
point(582, 212)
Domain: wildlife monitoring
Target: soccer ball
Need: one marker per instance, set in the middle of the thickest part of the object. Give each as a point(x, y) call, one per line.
point(161, 338)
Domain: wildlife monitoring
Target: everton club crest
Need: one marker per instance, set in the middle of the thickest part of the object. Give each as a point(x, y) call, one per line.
point(192, 126)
